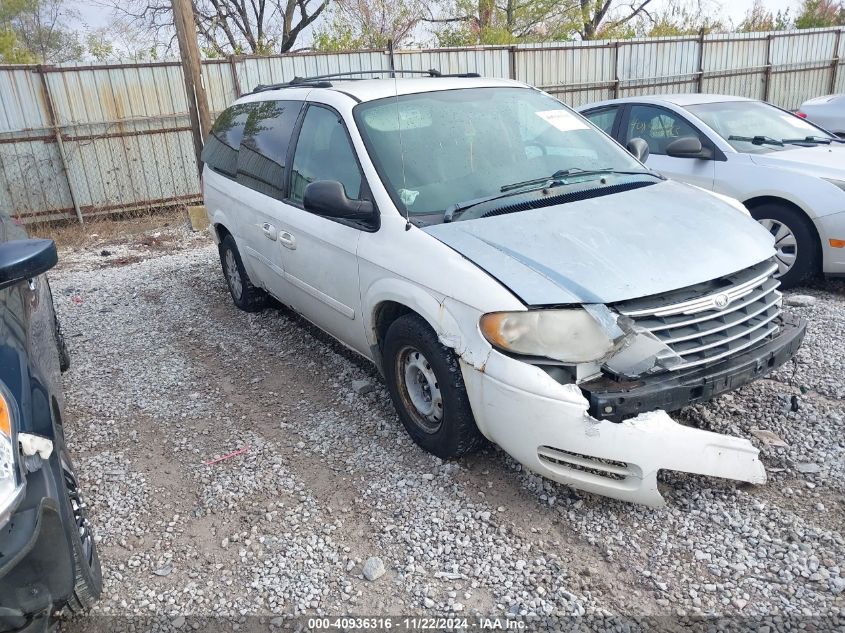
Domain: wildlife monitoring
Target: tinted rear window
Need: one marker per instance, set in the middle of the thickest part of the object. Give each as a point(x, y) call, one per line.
point(261, 162)
point(221, 147)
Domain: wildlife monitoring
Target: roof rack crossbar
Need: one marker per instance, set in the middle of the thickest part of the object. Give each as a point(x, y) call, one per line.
point(321, 81)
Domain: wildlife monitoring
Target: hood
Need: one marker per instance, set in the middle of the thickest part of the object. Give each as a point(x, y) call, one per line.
point(826, 161)
point(611, 248)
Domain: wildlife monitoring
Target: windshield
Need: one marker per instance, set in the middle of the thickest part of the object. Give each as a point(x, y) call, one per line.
point(438, 149)
point(755, 127)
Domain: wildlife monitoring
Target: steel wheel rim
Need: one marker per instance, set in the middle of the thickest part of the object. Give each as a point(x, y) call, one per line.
point(233, 276)
point(420, 389)
point(786, 245)
point(80, 515)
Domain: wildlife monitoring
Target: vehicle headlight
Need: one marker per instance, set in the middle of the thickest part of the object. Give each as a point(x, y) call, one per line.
point(837, 183)
point(567, 335)
point(9, 489)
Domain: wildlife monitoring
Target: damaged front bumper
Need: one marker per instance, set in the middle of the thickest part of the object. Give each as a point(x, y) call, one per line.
point(617, 399)
point(550, 427)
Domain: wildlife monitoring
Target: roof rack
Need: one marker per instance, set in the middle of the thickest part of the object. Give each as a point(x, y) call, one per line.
point(321, 81)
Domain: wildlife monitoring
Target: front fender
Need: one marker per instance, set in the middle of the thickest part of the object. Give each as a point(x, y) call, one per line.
point(455, 323)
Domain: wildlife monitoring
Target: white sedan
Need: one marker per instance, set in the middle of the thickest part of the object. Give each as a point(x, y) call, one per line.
point(789, 173)
point(827, 111)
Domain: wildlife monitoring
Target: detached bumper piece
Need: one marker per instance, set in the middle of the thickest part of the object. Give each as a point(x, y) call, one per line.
point(616, 400)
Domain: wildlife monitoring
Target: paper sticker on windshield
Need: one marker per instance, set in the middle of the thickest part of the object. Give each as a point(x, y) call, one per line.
point(797, 122)
point(407, 196)
point(562, 120)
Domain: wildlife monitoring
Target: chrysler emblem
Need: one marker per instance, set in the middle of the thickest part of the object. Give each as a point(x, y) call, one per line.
point(721, 301)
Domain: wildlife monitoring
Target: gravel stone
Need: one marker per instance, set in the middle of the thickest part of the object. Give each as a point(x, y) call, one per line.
point(167, 374)
point(799, 301)
point(373, 568)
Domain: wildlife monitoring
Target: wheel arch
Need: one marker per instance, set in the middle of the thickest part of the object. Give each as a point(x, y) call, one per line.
point(220, 231)
point(757, 201)
point(390, 299)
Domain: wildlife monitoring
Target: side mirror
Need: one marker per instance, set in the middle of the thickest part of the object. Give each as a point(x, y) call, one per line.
point(328, 198)
point(24, 259)
point(638, 148)
point(687, 147)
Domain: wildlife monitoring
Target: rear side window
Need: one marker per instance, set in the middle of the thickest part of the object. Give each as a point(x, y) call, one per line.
point(221, 147)
point(264, 147)
point(603, 118)
point(324, 152)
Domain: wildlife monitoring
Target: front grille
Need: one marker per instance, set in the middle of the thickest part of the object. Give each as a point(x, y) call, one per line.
point(713, 320)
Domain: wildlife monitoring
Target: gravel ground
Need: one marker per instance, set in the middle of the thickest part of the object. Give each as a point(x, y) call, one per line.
point(167, 374)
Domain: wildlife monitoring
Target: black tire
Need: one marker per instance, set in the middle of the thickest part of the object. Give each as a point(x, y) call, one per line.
point(88, 577)
point(807, 251)
point(64, 355)
point(455, 433)
point(246, 296)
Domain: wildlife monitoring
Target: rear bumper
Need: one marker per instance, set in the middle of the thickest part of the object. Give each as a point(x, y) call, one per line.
point(616, 400)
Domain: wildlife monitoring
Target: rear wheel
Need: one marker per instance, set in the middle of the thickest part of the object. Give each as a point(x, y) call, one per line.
point(246, 296)
point(796, 244)
point(88, 579)
point(425, 383)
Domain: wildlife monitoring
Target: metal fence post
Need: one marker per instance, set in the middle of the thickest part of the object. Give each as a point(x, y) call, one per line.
point(54, 124)
point(701, 60)
point(616, 45)
point(512, 62)
point(768, 76)
point(236, 82)
point(390, 59)
point(834, 63)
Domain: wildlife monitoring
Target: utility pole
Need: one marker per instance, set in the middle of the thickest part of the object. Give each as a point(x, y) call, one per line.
point(186, 34)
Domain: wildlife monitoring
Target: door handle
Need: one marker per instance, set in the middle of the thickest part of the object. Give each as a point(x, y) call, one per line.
point(269, 231)
point(287, 240)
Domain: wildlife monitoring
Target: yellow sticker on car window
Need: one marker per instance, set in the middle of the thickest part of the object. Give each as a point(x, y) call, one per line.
point(562, 120)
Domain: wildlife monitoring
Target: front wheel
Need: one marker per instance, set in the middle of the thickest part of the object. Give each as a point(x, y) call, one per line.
point(425, 383)
point(796, 245)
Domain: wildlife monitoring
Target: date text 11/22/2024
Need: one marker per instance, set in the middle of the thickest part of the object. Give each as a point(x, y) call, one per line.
point(407, 623)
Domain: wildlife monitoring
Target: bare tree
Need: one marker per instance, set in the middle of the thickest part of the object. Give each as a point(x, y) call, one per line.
point(39, 30)
point(603, 16)
point(369, 24)
point(502, 21)
point(230, 26)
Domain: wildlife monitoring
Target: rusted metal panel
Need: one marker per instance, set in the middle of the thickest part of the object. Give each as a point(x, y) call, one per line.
point(32, 179)
point(22, 106)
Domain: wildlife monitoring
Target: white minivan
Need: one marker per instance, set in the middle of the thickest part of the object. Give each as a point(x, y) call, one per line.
point(513, 272)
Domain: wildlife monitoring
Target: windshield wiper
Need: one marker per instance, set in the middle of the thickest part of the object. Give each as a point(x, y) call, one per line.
point(824, 140)
point(559, 177)
point(466, 204)
point(757, 140)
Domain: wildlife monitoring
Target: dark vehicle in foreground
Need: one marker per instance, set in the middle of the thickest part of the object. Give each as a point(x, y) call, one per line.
point(48, 559)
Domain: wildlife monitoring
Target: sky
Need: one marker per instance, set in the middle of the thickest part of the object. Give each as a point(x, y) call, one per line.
point(94, 16)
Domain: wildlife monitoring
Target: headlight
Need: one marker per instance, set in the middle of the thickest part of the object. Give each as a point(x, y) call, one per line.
point(567, 335)
point(9, 489)
point(837, 183)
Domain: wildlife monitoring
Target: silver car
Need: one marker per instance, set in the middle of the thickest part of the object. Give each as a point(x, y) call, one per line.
point(827, 112)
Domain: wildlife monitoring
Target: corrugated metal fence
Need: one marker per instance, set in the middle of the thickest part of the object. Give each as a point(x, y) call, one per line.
point(98, 139)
